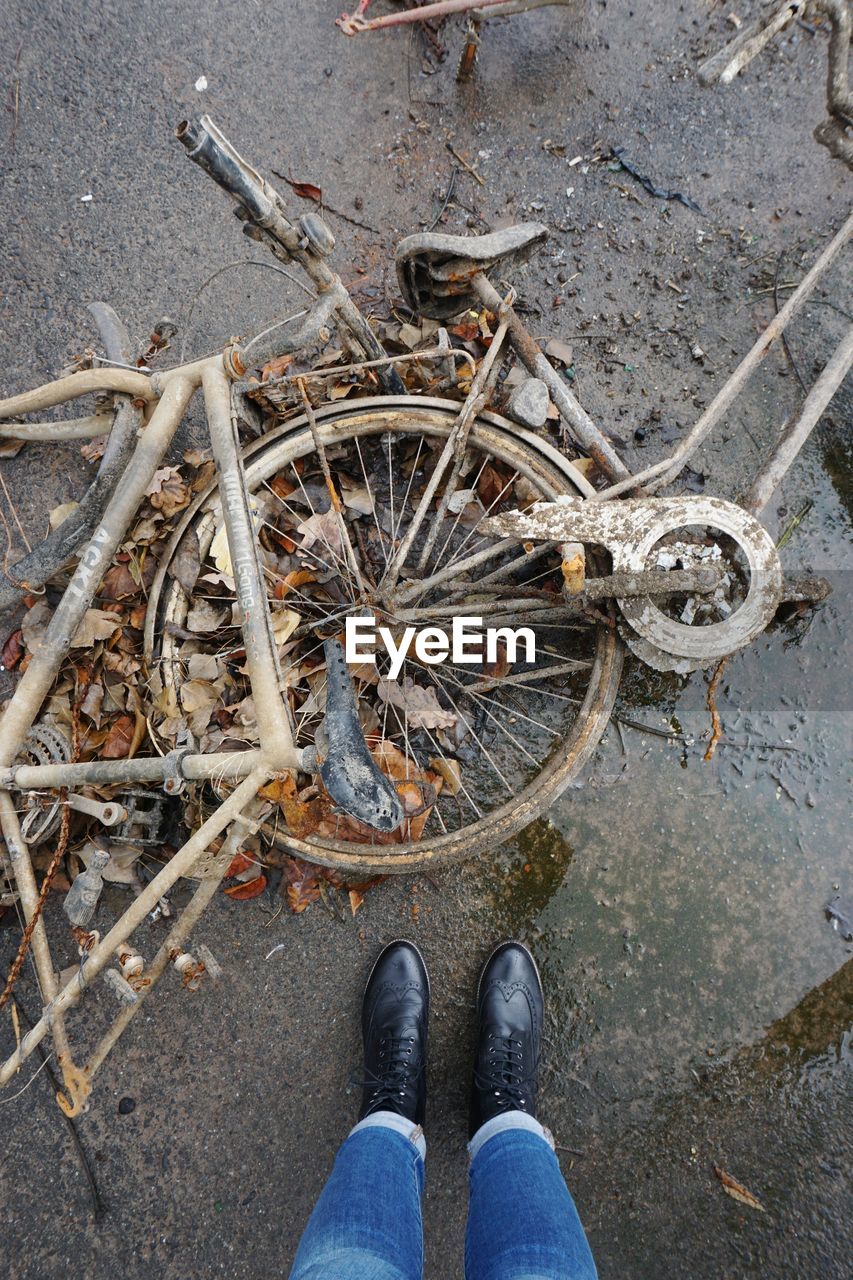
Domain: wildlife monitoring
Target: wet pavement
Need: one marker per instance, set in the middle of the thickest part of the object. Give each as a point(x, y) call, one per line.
point(699, 1002)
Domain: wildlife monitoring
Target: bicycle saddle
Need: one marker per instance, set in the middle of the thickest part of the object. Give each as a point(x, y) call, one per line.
point(435, 271)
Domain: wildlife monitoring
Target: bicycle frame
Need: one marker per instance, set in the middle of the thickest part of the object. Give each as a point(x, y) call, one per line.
point(165, 397)
point(277, 752)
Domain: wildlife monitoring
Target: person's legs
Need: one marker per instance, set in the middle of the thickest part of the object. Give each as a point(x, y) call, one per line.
point(522, 1222)
point(367, 1223)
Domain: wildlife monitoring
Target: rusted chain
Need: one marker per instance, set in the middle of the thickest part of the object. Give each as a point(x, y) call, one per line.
point(26, 937)
point(59, 854)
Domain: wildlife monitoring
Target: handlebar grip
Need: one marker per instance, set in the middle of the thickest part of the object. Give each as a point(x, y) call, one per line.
point(208, 147)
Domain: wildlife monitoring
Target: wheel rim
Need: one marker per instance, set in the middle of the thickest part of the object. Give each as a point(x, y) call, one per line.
point(396, 426)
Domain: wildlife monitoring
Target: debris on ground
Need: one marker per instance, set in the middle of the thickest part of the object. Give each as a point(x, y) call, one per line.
point(737, 1190)
point(839, 913)
point(618, 154)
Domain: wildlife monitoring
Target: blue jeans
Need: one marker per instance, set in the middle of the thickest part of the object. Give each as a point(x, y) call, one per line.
point(522, 1222)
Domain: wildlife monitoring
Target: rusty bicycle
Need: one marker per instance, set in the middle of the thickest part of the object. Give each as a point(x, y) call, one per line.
point(414, 505)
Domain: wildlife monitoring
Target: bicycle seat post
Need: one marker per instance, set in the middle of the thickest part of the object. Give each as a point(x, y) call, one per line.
point(441, 276)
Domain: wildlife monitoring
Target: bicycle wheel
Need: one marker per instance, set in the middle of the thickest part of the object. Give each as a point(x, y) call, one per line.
point(478, 750)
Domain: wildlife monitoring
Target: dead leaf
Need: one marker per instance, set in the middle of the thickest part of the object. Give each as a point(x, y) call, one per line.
point(493, 485)
point(275, 368)
point(119, 739)
point(251, 889)
point(460, 499)
point(419, 705)
point(198, 694)
point(167, 491)
point(121, 663)
point(239, 863)
point(91, 704)
point(203, 666)
point(467, 330)
point(296, 578)
point(307, 190)
point(35, 622)
point(204, 616)
point(13, 651)
point(61, 513)
point(559, 351)
point(341, 390)
point(323, 527)
point(450, 771)
point(119, 583)
point(356, 900)
point(737, 1191)
point(97, 624)
point(284, 623)
point(410, 336)
point(185, 564)
point(357, 497)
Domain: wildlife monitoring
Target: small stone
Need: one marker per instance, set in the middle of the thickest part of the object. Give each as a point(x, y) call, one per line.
point(126, 1105)
point(529, 402)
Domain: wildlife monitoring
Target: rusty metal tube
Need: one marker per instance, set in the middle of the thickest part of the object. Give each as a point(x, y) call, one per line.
point(770, 477)
point(261, 649)
point(41, 672)
point(180, 865)
point(78, 384)
point(577, 419)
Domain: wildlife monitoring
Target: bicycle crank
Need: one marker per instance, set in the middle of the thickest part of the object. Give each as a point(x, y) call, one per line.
point(642, 537)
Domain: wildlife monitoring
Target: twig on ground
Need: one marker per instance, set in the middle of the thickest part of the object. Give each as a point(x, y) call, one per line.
point(793, 522)
point(716, 722)
point(791, 361)
point(14, 512)
point(451, 184)
point(324, 206)
point(469, 168)
point(98, 1206)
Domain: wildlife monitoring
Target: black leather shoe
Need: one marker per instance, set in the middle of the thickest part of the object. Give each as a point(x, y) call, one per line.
point(394, 1019)
point(510, 1006)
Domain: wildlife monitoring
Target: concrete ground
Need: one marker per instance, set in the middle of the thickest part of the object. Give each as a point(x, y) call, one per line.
point(699, 1003)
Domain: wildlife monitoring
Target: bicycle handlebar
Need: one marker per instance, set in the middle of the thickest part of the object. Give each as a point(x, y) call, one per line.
point(309, 242)
point(208, 147)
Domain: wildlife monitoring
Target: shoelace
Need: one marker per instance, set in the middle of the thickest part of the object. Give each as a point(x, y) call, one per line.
point(390, 1081)
point(505, 1076)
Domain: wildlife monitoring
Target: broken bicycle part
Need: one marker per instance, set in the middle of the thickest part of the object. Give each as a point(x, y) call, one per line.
point(81, 899)
point(349, 772)
point(45, 744)
point(307, 243)
point(436, 271)
point(355, 23)
point(631, 529)
point(108, 814)
point(121, 425)
point(834, 133)
point(387, 445)
point(441, 275)
point(145, 817)
point(510, 733)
